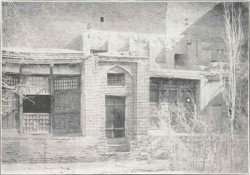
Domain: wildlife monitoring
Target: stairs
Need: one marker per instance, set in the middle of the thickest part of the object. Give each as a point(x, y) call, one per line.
point(118, 148)
point(118, 145)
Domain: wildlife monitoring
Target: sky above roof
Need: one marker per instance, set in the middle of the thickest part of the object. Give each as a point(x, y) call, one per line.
point(47, 24)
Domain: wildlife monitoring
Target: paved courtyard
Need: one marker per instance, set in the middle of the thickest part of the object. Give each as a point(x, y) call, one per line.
point(128, 166)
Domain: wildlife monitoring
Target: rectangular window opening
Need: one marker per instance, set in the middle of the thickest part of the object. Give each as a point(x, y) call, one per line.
point(116, 79)
point(154, 90)
point(36, 117)
point(179, 60)
point(174, 96)
point(102, 19)
point(36, 104)
point(67, 83)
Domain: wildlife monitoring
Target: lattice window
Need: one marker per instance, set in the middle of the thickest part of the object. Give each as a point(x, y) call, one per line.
point(9, 110)
point(36, 85)
point(67, 83)
point(169, 96)
point(36, 122)
point(36, 109)
point(116, 79)
point(11, 80)
point(177, 95)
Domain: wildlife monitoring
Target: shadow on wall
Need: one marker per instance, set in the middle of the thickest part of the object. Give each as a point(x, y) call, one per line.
point(76, 44)
point(215, 115)
point(160, 58)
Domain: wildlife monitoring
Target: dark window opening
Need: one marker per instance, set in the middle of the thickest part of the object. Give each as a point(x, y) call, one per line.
point(102, 19)
point(179, 60)
point(115, 116)
point(169, 96)
point(116, 79)
point(154, 91)
point(174, 96)
point(36, 104)
point(154, 96)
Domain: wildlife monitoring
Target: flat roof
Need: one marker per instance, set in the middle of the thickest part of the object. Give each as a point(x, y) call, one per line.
point(39, 50)
point(176, 73)
point(119, 55)
point(19, 55)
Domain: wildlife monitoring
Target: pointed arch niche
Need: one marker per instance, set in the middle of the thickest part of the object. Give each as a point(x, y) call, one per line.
point(120, 91)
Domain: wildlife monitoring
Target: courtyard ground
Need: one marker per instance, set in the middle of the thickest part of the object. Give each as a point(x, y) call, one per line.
point(107, 167)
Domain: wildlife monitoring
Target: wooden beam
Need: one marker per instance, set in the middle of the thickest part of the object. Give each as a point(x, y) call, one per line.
point(51, 84)
point(42, 62)
point(20, 101)
point(82, 102)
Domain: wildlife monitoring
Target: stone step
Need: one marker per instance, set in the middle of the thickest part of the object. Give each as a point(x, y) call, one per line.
point(117, 141)
point(118, 148)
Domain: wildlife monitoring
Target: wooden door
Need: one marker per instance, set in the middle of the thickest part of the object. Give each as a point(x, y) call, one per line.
point(115, 116)
point(67, 105)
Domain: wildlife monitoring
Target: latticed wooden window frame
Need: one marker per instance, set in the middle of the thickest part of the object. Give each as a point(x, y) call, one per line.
point(36, 122)
point(66, 83)
point(36, 84)
point(167, 90)
point(10, 110)
point(116, 79)
point(11, 80)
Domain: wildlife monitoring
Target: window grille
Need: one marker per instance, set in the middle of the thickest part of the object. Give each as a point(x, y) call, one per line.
point(115, 79)
point(67, 83)
point(36, 85)
point(178, 95)
point(169, 96)
point(115, 116)
point(9, 110)
point(36, 122)
point(11, 80)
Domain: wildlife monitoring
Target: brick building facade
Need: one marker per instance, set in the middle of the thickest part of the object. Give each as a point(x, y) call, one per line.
point(71, 96)
point(104, 92)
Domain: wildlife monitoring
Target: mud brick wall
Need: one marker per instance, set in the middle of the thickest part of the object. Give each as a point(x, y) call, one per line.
point(45, 149)
point(127, 91)
point(142, 97)
point(136, 92)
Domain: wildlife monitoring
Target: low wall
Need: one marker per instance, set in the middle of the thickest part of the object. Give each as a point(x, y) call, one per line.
point(50, 149)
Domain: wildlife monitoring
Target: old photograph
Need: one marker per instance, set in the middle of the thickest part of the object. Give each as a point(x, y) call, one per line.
point(124, 87)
